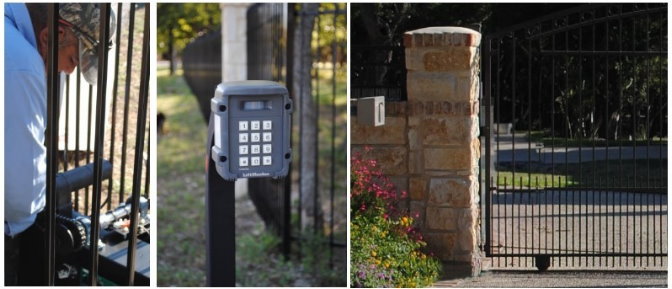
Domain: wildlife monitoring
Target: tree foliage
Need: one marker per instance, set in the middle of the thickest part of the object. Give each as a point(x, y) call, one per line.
point(184, 21)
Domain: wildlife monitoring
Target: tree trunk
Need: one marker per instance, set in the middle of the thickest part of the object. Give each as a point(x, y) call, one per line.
point(171, 50)
point(311, 213)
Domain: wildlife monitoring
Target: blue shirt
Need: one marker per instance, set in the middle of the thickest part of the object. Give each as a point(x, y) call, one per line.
point(25, 122)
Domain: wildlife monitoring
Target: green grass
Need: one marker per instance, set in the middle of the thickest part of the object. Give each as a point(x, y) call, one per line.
point(181, 182)
point(612, 173)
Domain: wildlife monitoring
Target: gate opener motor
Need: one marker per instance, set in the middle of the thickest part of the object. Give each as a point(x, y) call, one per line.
point(251, 129)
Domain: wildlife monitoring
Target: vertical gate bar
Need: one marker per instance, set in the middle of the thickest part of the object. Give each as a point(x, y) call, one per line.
point(493, 183)
point(662, 54)
point(148, 162)
point(602, 188)
point(634, 143)
point(299, 145)
point(66, 159)
point(545, 231)
point(648, 139)
point(613, 223)
point(529, 142)
point(127, 89)
point(520, 193)
point(634, 105)
point(499, 119)
point(541, 189)
point(592, 136)
point(333, 142)
point(113, 115)
point(87, 196)
point(513, 130)
point(139, 144)
point(606, 139)
point(287, 198)
point(99, 139)
point(507, 245)
point(554, 192)
point(52, 140)
point(488, 173)
point(567, 136)
point(580, 133)
point(627, 219)
point(619, 137)
point(77, 115)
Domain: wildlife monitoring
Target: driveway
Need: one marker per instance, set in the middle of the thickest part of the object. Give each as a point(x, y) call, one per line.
point(565, 279)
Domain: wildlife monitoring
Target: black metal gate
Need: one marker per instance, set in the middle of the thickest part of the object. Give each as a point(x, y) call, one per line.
point(97, 233)
point(576, 126)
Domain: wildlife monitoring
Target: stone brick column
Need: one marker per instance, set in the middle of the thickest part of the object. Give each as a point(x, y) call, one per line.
point(443, 145)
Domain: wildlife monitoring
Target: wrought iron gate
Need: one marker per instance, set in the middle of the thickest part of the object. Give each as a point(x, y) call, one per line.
point(83, 211)
point(576, 125)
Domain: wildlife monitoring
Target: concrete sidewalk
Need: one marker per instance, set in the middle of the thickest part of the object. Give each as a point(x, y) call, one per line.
point(557, 279)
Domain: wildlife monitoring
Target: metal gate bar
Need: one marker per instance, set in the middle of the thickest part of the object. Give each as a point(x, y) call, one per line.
point(137, 169)
point(114, 99)
point(99, 136)
point(51, 140)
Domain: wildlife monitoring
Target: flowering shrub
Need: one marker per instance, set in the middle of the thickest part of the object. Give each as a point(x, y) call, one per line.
point(385, 247)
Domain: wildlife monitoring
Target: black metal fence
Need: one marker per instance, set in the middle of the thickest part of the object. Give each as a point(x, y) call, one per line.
point(270, 57)
point(578, 135)
point(378, 70)
point(202, 63)
point(117, 229)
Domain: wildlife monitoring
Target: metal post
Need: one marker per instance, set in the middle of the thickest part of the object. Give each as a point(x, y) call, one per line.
point(114, 103)
point(287, 197)
point(127, 91)
point(220, 222)
point(52, 139)
point(99, 137)
point(139, 147)
point(487, 102)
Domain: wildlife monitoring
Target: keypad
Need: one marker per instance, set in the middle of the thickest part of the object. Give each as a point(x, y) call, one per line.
point(254, 143)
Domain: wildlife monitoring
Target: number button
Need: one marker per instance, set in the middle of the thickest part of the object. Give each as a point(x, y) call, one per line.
point(255, 149)
point(255, 125)
point(243, 162)
point(267, 125)
point(243, 150)
point(255, 137)
point(242, 138)
point(267, 137)
point(242, 125)
point(267, 160)
point(267, 148)
point(255, 161)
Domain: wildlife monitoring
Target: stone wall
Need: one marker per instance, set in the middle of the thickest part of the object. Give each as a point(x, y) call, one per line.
point(429, 145)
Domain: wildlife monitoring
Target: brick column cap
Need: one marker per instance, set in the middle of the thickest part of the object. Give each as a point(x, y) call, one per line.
point(442, 37)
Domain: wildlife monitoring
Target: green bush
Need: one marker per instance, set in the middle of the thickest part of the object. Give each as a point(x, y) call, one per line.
point(385, 247)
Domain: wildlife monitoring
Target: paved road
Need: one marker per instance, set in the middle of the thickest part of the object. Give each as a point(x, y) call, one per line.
point(551, 279)
point(518, 148)
point(580, 222)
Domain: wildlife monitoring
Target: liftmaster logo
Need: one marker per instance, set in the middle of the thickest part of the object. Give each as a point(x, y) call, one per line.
point(255, 174)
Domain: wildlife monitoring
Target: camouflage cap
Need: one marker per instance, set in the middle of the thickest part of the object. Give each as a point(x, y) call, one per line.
point(85, 21)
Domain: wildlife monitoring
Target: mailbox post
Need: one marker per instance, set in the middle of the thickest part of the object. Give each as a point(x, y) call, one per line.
point(248, 137)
